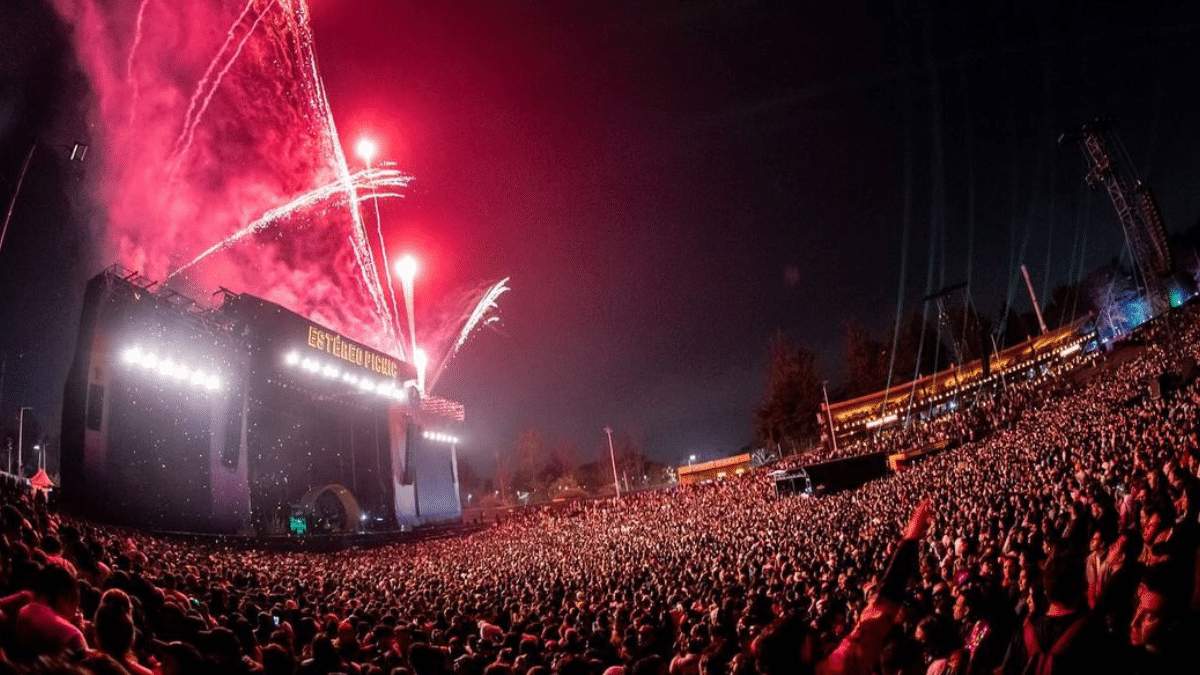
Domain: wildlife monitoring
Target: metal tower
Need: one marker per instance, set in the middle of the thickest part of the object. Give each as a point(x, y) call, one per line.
point(1136, 207)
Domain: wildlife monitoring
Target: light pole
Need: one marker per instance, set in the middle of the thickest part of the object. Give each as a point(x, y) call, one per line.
point(78, 151)
point(829, 416)
point(612, 455)
point(21, 436)
point(691, 458)
point(13, 202)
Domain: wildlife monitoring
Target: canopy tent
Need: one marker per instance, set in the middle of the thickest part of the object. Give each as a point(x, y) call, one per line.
point(41, 481)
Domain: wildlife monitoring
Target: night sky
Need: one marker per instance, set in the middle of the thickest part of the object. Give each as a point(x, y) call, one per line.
point(668, 184)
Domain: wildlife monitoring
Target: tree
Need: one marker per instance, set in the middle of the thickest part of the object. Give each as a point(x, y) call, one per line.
point(1063, 307)
point(531, 451)
point(1015, 329)
point(1110, 291)
point(918, 337)
point(788, 413)
point(865, 360)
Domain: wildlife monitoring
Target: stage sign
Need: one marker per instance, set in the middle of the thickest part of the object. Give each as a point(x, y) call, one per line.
point(351, 352)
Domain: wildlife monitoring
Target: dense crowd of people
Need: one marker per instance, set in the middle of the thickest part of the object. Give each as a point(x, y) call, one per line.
point(1064, 540)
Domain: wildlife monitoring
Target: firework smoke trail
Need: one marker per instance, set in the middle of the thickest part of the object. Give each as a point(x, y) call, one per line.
point(389, 178)
point(212, 65)
point(479, 317)
point(406, 282)
point(383, 256)
point(137, 39)
point(188, 135)
point(358, 240)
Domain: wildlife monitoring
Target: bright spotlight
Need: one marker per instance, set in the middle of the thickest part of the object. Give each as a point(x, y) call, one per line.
point(366, 149)
point(212, 383)
point(198, 377)
point(149, 360)
point(406, 267)
point(133, 355)
point(166, 367)
point(180, 372)
point(293, 358)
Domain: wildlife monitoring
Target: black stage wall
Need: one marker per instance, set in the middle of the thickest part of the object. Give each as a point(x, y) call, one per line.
point(223, 420)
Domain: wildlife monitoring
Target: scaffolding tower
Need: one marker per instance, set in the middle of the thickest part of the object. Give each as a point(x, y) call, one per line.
point(1137, 210)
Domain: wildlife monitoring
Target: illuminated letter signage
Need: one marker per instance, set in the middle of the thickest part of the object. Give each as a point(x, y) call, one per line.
point(335, 345)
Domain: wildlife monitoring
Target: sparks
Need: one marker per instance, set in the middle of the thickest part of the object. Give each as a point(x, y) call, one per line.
point(480, 316)
point(358, 239)
point(189, 118)
point(184, 142)
point(130, 81)
point(381, 178)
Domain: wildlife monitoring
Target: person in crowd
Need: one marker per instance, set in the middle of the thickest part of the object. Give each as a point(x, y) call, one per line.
point(1065, 538)
point(48, 624)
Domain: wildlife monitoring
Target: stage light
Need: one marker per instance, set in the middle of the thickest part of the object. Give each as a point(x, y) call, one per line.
point(149, 360)
point(133, 355)
point(166, 367)
point(212, 383)
point(198, 377)
point(180, 372)
point(293, 358)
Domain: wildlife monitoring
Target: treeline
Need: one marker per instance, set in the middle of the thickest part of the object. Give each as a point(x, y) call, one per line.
point(536, 469)
point(937, 338)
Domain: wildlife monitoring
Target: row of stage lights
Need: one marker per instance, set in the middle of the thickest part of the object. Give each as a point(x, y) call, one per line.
point(168, 368)
point(385, 388)
point(440, 437)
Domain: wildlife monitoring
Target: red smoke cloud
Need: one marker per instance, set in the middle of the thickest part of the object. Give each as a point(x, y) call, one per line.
point(172, 181)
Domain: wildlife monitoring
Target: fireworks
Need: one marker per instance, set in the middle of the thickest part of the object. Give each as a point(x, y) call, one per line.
point(130, 80)
point(208, 84)
point(217, 126)
point(371, 178)
point(482, 313)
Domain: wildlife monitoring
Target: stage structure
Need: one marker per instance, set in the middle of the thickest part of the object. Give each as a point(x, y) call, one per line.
point(1066, 348)
point(1110, 167)
point(244, 418)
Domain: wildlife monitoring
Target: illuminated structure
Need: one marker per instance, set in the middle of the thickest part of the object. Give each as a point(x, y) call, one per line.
point(1141, 221)
point(241, 419)
point(941, 391)
point(717, 469)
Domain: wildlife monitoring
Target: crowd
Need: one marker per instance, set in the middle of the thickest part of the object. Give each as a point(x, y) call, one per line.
point(1064, 540)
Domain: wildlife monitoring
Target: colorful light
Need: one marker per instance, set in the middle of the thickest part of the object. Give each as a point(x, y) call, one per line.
point(366, 149)
point(170, 368)
point(406, 268)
